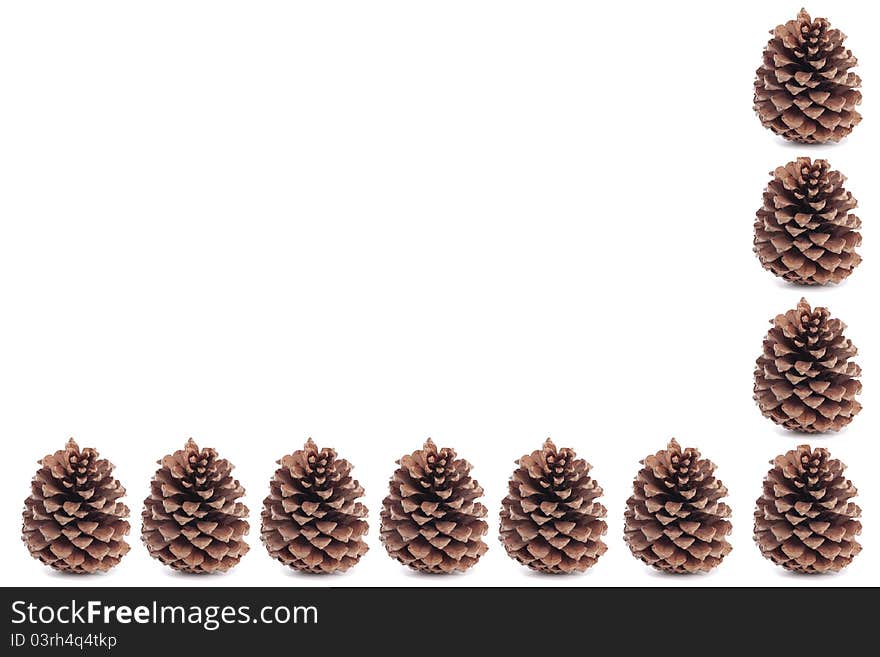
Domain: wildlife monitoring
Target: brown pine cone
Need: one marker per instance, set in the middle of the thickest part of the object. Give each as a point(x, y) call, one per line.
point(550, 520)
point(73, 519)
point(191, 520)
point(431, 520)
point(804, 380)
point(804, 89)
point(805, 232)
point(675, 519)
point(312, 520)
point(804, 520)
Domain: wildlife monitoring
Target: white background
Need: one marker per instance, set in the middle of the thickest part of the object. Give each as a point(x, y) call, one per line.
point(370, 223)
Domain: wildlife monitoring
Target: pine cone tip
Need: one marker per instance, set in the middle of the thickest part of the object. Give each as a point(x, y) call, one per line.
point(315, 454)
point(193, 450)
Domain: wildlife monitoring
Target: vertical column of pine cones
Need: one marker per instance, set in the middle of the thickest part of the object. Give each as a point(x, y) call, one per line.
point(431, 520)
point(675, 520)
point(806, 233)
point(804, 520)
point(551, 520)
point(192, 520)
point(74, 520)
point(313, 520)
point(804, 89)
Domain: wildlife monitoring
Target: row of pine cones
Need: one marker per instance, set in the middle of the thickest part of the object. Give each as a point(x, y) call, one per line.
point(806, 232)
point(432, 521)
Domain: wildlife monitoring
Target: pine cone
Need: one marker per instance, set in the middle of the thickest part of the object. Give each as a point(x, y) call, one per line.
point(191, 520)
point(550, 520)
point(805, 231)
point(312, 519)
point(804, 380)
point(804, 90)
point(804, 520)
point(431, 520)
point(675, 520)
point(73, 519)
